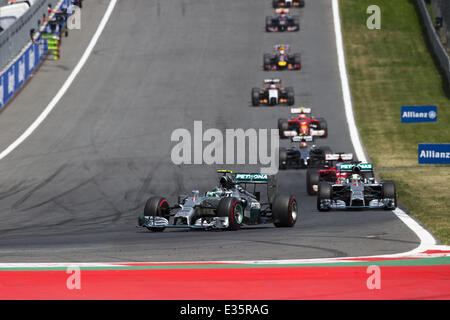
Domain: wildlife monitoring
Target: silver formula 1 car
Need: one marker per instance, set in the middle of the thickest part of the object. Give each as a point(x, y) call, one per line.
point(232, 204)
point(358, 191)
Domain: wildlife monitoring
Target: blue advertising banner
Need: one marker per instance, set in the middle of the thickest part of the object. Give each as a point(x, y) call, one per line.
point(18, 72)
point(412, 114)
point(434, 153)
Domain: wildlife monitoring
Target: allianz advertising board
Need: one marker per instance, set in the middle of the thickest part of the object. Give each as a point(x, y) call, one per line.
point(411, 114)
point(430, 153)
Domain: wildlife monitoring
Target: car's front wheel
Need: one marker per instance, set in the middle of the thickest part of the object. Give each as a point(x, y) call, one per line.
point(233, 209)
point(157, 207)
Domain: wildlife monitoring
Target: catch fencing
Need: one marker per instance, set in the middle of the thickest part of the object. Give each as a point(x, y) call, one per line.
point(435, 40)
point(14, 39)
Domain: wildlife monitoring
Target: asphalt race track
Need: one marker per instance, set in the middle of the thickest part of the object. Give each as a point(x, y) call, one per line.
point(72, 191)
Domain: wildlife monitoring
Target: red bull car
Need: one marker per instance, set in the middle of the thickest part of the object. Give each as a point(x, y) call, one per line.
point(282, 59)
point(302, 124)
point(283, 22)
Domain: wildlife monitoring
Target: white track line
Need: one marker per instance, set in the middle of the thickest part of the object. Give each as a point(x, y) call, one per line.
point(65, 86)
point(426, 239)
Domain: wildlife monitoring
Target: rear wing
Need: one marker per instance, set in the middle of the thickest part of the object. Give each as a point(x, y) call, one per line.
point(301, 138)
point(354, 167)
point(256, 179)
point(251, 178)
point(300, 110)
point(286, 47)
point(339, 156)
point(272, 81)
point(282, 10)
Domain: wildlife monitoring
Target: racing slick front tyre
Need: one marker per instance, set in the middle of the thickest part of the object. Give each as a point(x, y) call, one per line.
point(283, 159)
point(323, 126)
point(233, 209)
point(312, 179)
point(296, 23)
point(268, 23)
point(283, 125)
point(267, 61)
point(157, 207)
point(388, 191)
point(285, 211)
point(324, 193)
point(298, 60)
point(255, 97)
point(290, 96)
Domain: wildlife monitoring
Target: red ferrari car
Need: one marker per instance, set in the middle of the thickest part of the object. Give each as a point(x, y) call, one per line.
point(330, 173)
point(302, 124)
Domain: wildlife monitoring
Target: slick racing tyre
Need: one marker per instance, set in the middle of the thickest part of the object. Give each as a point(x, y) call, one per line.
point(283, 125)
point(267, 61)
point(233, 209)
point(290, 96)
point(312, 179)
point(285, 211)
point(298, 60)
point(323, 126)
point(255, 97)
point(389, 191)
point(325, 193)
point(296, 22)
point(268, 23)
point(283, 159)
point(157, 207)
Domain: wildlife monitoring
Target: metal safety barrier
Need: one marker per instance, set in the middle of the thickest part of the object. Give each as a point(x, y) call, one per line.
point(14, 39)
point(438, 48)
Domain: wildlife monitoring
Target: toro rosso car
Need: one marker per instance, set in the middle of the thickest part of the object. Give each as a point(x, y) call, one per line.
point(272, 94)
point(331, 172)
point(283, 22)
point(357, 191)
point(302, 124)
point(282, 59)
point(288, 3)
point(235, 202)
point(303, 156)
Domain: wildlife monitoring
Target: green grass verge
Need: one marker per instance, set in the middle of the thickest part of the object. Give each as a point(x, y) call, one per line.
point(389, 68)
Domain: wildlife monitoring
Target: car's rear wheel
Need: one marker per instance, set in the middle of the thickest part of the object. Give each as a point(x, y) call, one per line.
point(233, 209)
point(157, 207)
point(312, 179)
point(285, 211)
